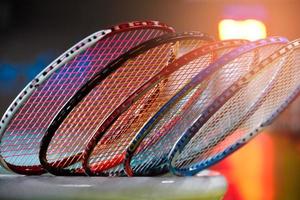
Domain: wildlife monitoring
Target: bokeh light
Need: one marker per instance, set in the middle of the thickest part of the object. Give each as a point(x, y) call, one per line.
point(249, 29)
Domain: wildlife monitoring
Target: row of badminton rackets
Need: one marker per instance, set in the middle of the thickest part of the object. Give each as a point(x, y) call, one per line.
point(139, 99)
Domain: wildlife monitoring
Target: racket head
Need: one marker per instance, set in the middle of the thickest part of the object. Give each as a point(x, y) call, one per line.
point(106, 151)
point(195, 59)
point(224, 136)
point(28, 117)
point(154, 156)
point(60, 146)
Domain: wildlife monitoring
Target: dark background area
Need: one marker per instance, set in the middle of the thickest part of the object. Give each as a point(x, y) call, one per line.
point(34, 32)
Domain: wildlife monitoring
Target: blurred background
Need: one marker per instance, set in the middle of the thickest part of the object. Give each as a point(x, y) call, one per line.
point(33, 33)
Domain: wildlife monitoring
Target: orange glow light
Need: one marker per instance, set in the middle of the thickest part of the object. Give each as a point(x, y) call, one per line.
point(249, 29)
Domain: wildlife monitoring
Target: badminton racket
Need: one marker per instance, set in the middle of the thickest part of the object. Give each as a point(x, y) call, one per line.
point(27, 118)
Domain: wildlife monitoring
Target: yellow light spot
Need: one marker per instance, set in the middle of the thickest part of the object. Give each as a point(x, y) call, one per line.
point(246, 29)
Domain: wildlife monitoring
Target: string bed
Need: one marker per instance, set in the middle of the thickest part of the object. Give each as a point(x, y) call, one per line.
point(68, 136)
point(250, 104)
point(108, 150)
point(166, 127)
point(33, 110)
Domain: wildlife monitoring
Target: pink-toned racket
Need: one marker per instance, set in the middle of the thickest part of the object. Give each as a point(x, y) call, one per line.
point(27, 119)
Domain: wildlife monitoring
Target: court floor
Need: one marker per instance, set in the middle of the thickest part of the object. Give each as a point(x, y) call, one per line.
point(206, 185)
